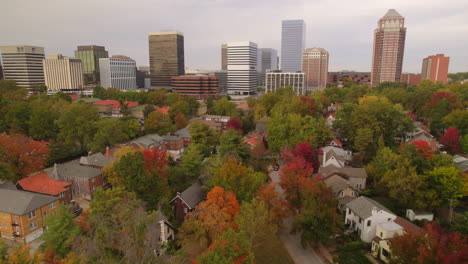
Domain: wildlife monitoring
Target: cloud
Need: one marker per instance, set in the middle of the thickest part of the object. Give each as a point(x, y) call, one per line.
point(344, 28)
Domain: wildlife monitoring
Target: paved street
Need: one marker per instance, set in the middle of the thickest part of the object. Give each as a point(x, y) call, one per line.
point(292, 242)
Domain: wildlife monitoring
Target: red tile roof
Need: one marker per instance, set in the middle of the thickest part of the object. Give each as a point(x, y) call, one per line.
point(41, 183)
point(74, 96)
point(252, 141)
point(164, 110)
point(114, 103)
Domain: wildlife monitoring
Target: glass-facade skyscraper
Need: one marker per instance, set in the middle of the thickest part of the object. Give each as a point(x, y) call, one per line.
point(292, 45)
point(89, 56)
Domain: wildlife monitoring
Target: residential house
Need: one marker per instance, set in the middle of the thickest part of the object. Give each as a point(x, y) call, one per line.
point(211, 124)
point(335, 143)
point(335, 107)
point(41, 183)
point(184, 133)
point(22, 214)
point(342, 189)
point(330, 119)
point(96, 160)
point(85, 179)
point(421, 132)
point(137, 111)
point(330, 158)
point(186, 201)
point(385, 231)
point(174, 145)
point(416, 214)
point(223, 120)
point(356, 176)
point(346, 155)
point(112, 108)
point(148, 142)
point(7, 185)
point(364, 214)
point(164, 230)
point(254, 139)
point(461, 162)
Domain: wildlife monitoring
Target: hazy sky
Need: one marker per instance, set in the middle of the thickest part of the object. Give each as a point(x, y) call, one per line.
point(343, 27)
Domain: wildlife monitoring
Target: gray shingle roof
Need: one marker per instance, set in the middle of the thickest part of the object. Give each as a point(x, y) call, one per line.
point(184, 132)
point(193, 195)
point(147, 141)
point(20, 202)
point(96, 159)
point(7, 185)
point(336, 183)
point(73, 169)
point(348, 171)
point(171, 138)
point(363, 206)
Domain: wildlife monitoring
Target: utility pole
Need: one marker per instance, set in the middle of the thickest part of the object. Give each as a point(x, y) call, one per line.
point(451, 210)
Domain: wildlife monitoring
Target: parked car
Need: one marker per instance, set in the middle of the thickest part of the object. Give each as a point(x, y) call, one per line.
point(276, 167)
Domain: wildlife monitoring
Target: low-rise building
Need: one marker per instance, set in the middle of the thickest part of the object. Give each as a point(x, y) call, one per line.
point(184, 133)
point(356, 176)
point(201, 87)
point(112, 108)
point(41, 183)
point(22, 214)
point(279, 79)
point(416, 214)
point(220, 121)
point(186, 201)
point(364, 214)
point(174, 145)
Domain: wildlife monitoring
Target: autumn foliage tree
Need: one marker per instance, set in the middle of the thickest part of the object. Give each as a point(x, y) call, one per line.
point(23, 155)
point(234, 123)
point(209, 219)
point(430, 245)
point(424, 149)
point(180, 121)
point(451, 141)
point(229, 247)
point(278, 207)
point(292, 178)
point(302, 151)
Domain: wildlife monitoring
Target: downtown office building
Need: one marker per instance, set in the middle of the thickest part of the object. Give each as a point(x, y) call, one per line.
point(268, 61)
point(242, 68)
point(118, 72)
point(62, 73)
point(89, 56)
point(315, 67)
point(292, 45)
point(24, 65)
point(278, 79)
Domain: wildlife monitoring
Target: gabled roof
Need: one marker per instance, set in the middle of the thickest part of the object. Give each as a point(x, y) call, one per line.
point(41, 183)
point(363, 206)
point(193, 195)
point(96, 159)
point(337, 183)
point(329, 154)
point(20, 202)
point(337, 142)
point(73, 169)
point(148, 140)
point(346, 171)
point(184, 132)
point(392, 13)
point(7, 185)
point(407, 225)
point(171, 138)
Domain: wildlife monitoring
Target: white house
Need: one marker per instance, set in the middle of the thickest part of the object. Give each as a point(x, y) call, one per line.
point(347, 155)
point(164, 231)
point(331, 158)
point(414, 214)
point(364, 214)
point(330, 119)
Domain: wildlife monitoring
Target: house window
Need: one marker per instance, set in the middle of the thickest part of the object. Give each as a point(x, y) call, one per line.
point(360, 220)
point(32, 225)
point(31, 214)
point(52, 205)
point(369, 223)
point(341, 194)
point(385, 253)
point(185, 210)
point(61, 195)
point(389, 219)
point(45, 213)
point(381, 235)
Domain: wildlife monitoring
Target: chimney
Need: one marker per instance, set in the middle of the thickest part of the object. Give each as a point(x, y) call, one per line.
point(374, 210)
point(107, 152)
point(55, 172)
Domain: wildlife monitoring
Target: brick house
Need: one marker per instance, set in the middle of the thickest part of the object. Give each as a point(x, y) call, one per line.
point(174, 144)
point(184, 133)
point(22, 214)
point(186, 201)
point(41, 183)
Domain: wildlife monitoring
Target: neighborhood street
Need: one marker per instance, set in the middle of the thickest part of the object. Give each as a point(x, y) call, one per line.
point(292, 241)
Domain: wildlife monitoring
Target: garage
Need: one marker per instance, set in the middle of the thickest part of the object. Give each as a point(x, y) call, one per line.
point(33, 235)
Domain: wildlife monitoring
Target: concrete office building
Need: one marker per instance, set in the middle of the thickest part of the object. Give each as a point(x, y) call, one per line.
point(435, 68)
point(315, 67)
point(292, 45)
point(1, 72)
point(268, 61)
point(89, 56)
point(201, 87)
point(24, 65)
point(62, 73)
point(242, 69)
point(166, 55)
point(389, 46)
point(278, 79)
point(224, 57)
point(118, 72)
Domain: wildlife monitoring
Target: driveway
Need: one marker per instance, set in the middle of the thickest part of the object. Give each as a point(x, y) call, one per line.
point(292, 241)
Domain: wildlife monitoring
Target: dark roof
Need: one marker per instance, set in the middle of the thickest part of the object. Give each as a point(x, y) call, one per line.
point(363, 206)
point(171, 138)
point(336, 183)
point(407, 225)
point(21, 202)
point(348, 171)
point(73, 169)
point(96, 159)
point(345, 200)
point(184, 132)
point(7, 185)
point(193, 195)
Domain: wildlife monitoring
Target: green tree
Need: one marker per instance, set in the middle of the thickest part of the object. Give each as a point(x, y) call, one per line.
point(230, 247)
point(109, 132)
point(447, 182)
point(225, 107)
point(232, 145)
point(42, 123)
point(458, 119)
point(6, 172)
point(192, 161)
point(18, 117)
point(203, 134)
point(100, 92)
point(77, 125)
point(61, 230)
point(157, 97)
point(159, 123)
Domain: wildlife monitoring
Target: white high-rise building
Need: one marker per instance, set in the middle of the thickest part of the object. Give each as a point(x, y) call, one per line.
point(242, 68)
point(118, 72)
point(24, 65)
point(278, 79)
point(62, 73)
point(292, 45)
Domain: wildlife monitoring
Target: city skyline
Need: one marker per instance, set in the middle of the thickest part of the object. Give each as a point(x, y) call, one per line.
point(346, 32)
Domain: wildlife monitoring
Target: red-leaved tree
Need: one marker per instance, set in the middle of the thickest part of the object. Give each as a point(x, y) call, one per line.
point(451, 140)
point(234, 123)
point(155, 162)
point(302, 151)
point(292, 177)
point(278, 207)
point(424, 149)
point(23, 154)
point(430, 245)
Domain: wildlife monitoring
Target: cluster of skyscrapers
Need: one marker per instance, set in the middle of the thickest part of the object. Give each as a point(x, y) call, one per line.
point(244, 66)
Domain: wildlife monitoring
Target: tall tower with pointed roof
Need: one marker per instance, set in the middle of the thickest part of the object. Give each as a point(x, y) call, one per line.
point(389, 46)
